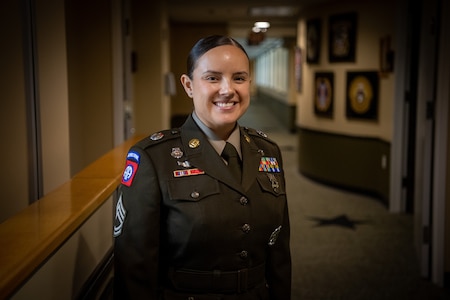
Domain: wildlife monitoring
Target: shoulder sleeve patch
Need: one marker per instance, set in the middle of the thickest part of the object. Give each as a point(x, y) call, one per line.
point(131, 168)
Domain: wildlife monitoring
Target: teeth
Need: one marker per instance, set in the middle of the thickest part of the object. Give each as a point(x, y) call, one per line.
point(224, 104)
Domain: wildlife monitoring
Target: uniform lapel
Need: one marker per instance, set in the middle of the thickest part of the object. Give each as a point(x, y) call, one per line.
point(251, 160)
point(203, 156)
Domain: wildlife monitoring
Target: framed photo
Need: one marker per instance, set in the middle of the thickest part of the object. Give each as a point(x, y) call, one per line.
point(298, 69)
point(324, 94)
point(313, 38)
point(362, 95)
point(386, 55)
point(342, 37)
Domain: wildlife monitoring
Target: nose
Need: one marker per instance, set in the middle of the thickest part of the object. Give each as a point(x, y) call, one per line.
point(226, 87)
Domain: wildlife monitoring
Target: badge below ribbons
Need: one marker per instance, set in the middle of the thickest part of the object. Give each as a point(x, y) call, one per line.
point(269, 164)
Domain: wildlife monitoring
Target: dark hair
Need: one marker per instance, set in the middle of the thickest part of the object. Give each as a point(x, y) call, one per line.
point(206, 44)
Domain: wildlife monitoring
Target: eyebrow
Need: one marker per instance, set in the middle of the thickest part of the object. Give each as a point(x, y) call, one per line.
point(219, 73)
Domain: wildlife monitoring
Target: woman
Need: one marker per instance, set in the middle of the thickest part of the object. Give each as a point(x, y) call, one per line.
point(186, 227)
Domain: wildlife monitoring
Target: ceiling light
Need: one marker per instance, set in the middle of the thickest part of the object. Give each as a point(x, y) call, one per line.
point(262, 25)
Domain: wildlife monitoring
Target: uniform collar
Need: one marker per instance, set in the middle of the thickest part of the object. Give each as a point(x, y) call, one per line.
point(217, 143)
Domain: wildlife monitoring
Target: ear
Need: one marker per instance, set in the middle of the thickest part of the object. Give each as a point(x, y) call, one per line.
point(187, 84)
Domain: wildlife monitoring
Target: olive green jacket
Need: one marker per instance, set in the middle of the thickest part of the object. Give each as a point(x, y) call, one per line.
point(180, 208)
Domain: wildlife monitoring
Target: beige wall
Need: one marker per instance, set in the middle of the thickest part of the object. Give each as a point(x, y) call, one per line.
point(149, 38)
point(90, 80)
point(64, 273)
point(13, 126)
point(53, 96)
point(373, 22)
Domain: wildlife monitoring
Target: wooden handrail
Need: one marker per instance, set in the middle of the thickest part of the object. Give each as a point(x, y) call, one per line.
point(31, 236)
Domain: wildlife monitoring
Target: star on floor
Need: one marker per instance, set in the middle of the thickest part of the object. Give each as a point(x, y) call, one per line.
point(341, 220)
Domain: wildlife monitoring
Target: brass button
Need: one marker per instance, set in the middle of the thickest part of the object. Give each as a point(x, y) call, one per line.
point(195, 195)
point(243, 254)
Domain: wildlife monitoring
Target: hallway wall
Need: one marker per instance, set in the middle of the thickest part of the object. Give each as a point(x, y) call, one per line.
point(369, 31)
point(90, 80)
point(13, 115)
point(349, 145)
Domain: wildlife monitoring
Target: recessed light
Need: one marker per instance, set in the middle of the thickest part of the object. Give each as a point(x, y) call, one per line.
point(262, 25)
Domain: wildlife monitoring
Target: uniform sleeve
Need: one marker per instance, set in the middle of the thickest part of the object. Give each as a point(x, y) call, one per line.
point(137, 230)
point(279, 266)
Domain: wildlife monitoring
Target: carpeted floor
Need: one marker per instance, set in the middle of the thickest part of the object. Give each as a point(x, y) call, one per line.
point(344, 245)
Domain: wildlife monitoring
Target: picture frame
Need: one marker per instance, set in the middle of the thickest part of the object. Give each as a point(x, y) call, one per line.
point(362, 95)
point(298, 69)
point(313, 40)
point(386, 55)
point(324, 94)
point(342, 29)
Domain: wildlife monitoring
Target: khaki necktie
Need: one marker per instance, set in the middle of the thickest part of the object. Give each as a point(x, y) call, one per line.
point(230, 154)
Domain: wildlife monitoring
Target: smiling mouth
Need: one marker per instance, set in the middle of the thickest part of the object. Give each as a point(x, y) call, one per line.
point(225, 104)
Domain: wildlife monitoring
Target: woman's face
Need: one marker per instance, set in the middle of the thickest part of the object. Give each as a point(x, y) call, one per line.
point(220, 88)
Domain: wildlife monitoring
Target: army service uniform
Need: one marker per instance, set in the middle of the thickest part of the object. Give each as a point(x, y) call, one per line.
point(186, 229)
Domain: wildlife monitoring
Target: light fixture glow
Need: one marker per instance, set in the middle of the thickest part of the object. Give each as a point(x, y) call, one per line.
point(262, 25)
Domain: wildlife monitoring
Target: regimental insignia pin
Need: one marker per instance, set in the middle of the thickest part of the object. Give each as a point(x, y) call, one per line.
point(274, 236)
point(184, 164)
point(194, 143)
point(247, 138)
point(176, 152)
point(188, 172)
point(269, 164)
point(157, 136)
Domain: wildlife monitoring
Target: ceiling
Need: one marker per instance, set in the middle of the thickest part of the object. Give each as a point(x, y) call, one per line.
point(240, 15)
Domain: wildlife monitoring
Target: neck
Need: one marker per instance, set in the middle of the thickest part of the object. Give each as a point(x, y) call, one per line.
point(224, 132)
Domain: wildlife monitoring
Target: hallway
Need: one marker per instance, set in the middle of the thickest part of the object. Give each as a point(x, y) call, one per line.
point(344, 245)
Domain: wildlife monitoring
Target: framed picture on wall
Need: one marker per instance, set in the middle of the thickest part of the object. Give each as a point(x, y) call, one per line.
point(342, 37)
point(313, 38)
point(298, 69)
point(362, 95)
point(324, 94)
point(386, 55)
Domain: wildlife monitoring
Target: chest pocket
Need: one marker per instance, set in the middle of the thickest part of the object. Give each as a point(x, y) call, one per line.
point(192, 188)
point(271, 183)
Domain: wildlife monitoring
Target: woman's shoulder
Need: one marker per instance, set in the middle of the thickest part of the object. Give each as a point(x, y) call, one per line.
point(159, 137)
point(258, 135)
